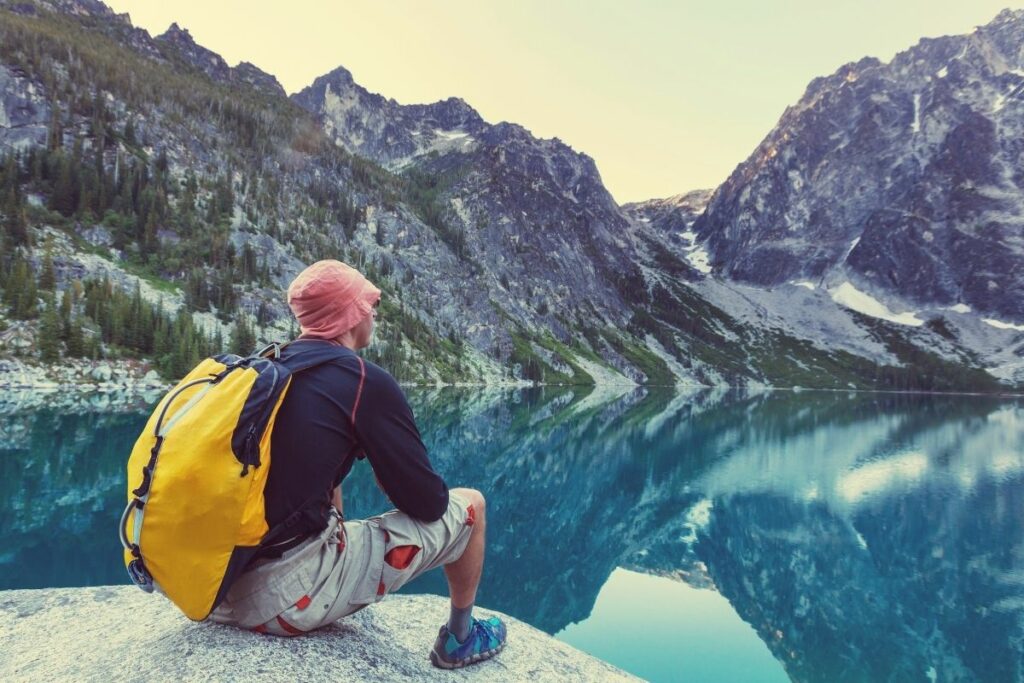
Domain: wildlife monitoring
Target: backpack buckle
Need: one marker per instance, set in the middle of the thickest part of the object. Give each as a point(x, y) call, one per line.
point(140, 576)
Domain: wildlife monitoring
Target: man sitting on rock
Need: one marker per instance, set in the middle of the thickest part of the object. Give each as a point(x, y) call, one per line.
point(332, 414)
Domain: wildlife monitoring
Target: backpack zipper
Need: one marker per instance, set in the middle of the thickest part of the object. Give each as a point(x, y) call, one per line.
point(251, 448)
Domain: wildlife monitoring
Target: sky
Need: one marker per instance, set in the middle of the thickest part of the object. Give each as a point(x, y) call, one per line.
point(666, 96)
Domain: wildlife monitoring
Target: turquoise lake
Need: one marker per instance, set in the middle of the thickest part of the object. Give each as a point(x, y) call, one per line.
point(699, 536)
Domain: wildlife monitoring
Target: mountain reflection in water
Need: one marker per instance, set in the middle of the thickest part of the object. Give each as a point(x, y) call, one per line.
point(862, 536)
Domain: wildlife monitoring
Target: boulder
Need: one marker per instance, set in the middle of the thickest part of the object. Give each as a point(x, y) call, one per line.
point(97, 236)
point(102, 373)
point(119, 633)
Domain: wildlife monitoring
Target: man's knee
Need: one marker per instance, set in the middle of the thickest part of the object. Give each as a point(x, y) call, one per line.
point(474, 498)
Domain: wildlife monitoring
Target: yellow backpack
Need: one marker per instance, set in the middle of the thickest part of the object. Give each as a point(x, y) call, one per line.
point(196, 513)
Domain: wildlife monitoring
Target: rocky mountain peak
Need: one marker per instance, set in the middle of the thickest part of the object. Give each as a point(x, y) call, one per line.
point(257, 77)
point(1008, 16)
point(337, 88)
point(207, 61)
point(671, 217)
point(177, 34)
point(339, 77)
point(693, 201)
point(882, 175)
point(454, 112)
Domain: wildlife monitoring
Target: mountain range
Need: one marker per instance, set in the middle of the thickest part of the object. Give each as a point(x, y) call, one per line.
point(872, 239)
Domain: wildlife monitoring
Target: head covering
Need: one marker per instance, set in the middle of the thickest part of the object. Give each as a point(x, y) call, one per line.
point(330, 297)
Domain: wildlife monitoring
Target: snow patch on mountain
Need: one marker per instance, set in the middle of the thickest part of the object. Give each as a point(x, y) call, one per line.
point(450, 134)
point(699, 259)
point(1000, 325)
point(440, 142)
point(848, 295)
point(798, 311)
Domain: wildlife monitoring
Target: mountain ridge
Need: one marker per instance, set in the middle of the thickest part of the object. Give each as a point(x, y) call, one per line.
point(502, 254)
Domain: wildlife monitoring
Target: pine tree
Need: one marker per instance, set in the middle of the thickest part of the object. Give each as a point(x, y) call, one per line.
point(15, 226)
point(148, 243)
point(249, 266)
point(218, 341)
point(65, 314)
point(76, 339)
point(13, 282)
point(55, 133)
point(47, 276)
point(243, 338)
point(20, 293)
point(65, 198)
point(10, 173)
point(129, 133)
point(49, 333)
point(134, 331)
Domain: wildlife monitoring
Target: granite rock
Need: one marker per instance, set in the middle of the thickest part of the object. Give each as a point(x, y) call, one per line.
point(118, 633)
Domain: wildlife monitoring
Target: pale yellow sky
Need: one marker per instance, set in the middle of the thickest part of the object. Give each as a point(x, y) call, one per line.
point(665, 96)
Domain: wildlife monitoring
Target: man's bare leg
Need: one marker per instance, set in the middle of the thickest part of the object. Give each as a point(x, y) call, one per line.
point(465, 640)
point(464, 573)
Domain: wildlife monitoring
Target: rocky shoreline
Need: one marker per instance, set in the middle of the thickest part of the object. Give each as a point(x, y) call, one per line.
point(75, 383)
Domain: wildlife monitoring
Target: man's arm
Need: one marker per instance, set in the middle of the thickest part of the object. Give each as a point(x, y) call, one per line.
point(387, 432)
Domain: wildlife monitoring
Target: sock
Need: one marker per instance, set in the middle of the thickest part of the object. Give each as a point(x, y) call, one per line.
point(459, 622)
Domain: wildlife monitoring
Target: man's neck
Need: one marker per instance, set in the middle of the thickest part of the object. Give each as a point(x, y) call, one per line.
point(341, 340)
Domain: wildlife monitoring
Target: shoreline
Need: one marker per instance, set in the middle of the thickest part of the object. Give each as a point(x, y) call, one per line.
point(128, 380)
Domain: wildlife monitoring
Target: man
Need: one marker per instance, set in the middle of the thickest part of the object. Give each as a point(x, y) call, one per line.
point(332, 415)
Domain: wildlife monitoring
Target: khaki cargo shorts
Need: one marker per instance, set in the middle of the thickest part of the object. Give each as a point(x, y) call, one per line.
point(347, 567)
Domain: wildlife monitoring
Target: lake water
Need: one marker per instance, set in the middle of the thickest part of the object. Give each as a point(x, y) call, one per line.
point(710, 536)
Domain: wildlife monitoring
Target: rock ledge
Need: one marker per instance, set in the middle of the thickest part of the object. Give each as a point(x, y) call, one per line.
point(118, 633)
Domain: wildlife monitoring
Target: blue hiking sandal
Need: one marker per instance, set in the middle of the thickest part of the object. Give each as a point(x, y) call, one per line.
point(485, 639)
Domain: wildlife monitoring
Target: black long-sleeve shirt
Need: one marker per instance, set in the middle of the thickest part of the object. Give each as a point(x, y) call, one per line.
point(332, 414)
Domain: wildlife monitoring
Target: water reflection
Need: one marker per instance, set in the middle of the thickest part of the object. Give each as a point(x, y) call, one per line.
point(863, 536)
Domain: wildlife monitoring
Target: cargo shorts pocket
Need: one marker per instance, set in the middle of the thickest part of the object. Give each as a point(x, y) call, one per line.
point(300, 618)
point(365, 576)
point(400, 566)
